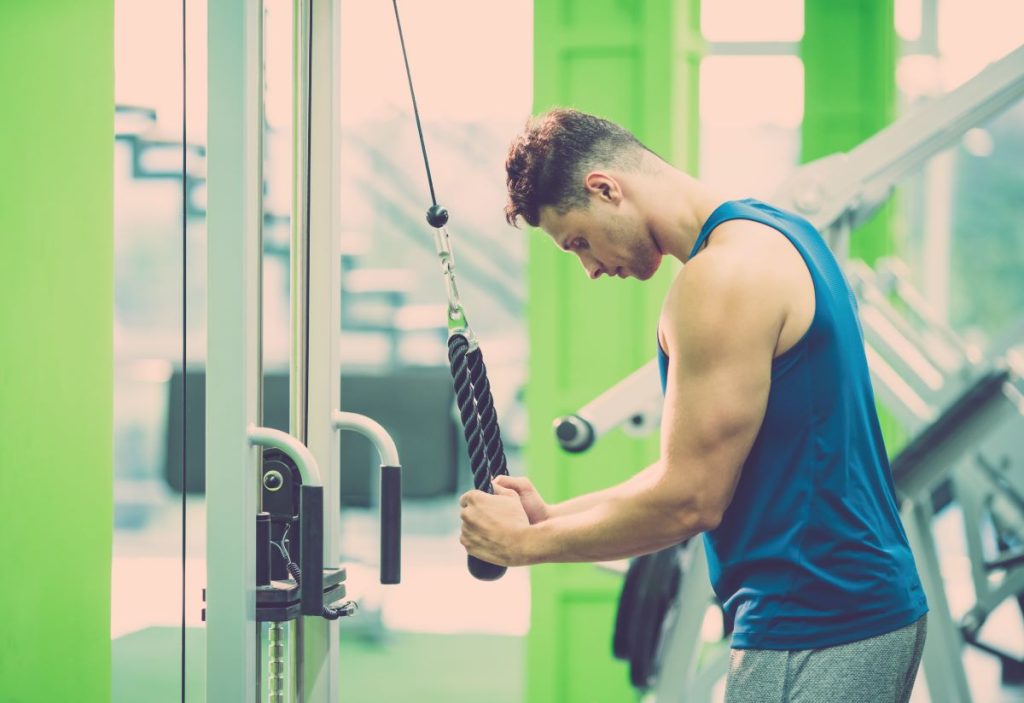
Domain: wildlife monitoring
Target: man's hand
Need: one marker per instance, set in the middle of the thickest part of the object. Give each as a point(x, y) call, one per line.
point(535, 507)
point(494, 527)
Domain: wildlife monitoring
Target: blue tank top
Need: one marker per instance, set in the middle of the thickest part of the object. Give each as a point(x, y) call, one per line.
point(811, 552)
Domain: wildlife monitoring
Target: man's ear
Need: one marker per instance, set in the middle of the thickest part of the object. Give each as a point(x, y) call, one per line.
point(603, 185)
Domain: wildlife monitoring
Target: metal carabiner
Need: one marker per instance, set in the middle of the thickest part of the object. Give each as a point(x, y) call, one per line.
point(437, 216)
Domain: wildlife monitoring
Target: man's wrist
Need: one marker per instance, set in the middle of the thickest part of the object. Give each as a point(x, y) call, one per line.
point(532, 546)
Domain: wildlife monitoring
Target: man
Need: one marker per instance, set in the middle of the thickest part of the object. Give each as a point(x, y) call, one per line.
point(770, 444)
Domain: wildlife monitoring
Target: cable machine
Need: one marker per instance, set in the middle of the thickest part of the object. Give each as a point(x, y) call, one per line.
point(274, 595)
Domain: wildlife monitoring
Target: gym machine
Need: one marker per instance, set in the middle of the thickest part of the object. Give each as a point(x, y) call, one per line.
point(271, 621)
point(963, 406)
point(273, 592)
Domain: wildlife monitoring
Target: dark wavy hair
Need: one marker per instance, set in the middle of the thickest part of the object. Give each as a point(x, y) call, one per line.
point(548, 161)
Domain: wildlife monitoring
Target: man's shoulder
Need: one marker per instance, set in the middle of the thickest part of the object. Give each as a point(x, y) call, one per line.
point(738, 257)
point(745, 268)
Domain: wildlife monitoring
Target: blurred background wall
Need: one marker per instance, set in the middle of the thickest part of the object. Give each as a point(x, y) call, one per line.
point(56, 384)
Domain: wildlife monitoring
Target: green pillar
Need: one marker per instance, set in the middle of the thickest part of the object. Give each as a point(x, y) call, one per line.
point(56, 268)
point(849, 51)
point(636, 64)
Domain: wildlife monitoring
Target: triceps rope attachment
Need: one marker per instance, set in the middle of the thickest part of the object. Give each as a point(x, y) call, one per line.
point(472, 389)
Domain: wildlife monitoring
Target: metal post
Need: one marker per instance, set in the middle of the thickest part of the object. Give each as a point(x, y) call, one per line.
point(299, 376)
point(316, 313)
point(943, 650)
point(681, 677)
point(235, 177)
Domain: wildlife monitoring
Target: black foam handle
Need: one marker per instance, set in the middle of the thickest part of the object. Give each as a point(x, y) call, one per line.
point(390, 524)
point(311, 527)
point(485, 570)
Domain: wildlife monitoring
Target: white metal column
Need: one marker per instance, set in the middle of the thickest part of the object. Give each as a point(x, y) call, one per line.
point(320, 661)
point(234, 218)
point(943, 649)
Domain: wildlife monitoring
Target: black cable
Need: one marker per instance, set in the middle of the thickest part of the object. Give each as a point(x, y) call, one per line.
point(415, 109)
point(184, 324)
point(326, 612)
point(472, 389)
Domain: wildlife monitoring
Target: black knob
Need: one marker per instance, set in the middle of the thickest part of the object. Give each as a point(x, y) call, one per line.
point(273, 480)
point(574, 433)
point(437, 216)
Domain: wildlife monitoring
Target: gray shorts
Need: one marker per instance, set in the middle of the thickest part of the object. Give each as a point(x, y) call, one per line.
point(879, 669)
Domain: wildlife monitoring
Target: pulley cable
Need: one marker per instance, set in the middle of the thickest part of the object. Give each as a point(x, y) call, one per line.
point(469, 374)
point(184, 331)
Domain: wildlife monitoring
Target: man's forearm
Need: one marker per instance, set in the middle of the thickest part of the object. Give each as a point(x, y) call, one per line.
point(640, 518)
point(587, 501)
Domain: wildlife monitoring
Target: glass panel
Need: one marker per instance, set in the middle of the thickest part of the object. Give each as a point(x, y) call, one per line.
point(147, 576)
point(908, 19)
point(972, 34)
point(195, 430)
point(752, 20)
point(960, 237)
point(751, 108)
point(474, 93)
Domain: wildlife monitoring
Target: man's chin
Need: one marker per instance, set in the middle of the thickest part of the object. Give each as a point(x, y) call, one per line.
point(647, 274)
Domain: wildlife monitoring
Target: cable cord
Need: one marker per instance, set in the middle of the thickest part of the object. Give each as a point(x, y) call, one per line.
point(473, 390)
point(296, 574)
point(469, 374)
point(415, 109)
point(184, 325)
point(326, 612)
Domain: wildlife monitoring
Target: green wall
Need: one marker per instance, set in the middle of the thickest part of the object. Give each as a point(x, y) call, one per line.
point(56, 259)
point(636, 63)
point(849, 51)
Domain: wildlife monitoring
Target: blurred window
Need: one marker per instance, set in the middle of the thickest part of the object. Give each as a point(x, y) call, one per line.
point(961, 226)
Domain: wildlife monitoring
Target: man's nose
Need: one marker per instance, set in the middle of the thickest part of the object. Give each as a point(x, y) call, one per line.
point(592, 268)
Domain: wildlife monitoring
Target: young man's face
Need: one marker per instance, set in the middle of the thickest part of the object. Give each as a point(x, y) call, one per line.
point(608, 240)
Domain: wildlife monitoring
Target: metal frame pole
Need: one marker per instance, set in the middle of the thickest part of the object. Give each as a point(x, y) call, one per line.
point(321, 296)
point(235, 176)
point(941, 663)
point(682, 675)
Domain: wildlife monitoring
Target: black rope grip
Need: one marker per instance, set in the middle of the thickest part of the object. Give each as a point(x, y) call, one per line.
point(472, 390)
point(493, 446)
point(480, 427)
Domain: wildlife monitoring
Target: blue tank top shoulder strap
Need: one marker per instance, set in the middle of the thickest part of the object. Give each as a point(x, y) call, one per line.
point(730, 210)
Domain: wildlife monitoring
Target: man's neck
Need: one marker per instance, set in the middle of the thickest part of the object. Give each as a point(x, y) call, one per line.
point(678, 206)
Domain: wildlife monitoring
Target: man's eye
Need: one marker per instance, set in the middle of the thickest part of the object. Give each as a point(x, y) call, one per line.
point(579, 244)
